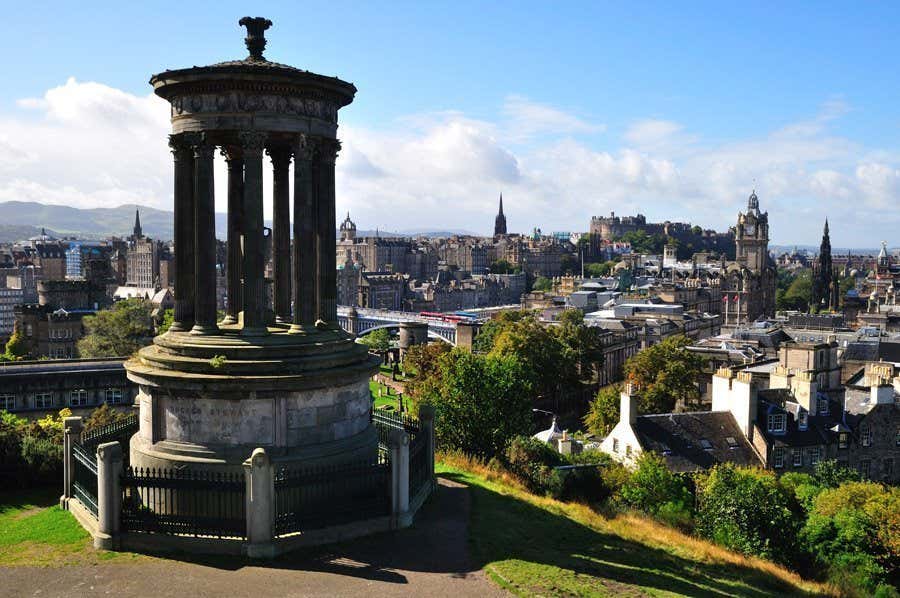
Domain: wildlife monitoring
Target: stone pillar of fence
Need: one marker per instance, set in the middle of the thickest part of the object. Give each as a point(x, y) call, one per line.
point(399, 444)
point(72, 427)
point(426, 423)
point(109, 495)
point(260, 501)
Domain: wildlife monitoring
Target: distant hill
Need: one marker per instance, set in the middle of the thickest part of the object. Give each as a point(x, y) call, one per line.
point(10, 233)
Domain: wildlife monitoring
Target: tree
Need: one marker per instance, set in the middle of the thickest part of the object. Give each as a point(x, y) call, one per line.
point(542, 283)
point(168, 318)
point(103, 416)
point(598, 270)
point(584, 344)
point(797, 294)
point(603, 411)
point(854, 531)
point(747, 510)
point(15, 346)
point(666, 375)
point(568, 264)
point(481, 401)
point(377, 340)
point(421, 366)
point(118, 331)
point(502, 267)
point(655, 490)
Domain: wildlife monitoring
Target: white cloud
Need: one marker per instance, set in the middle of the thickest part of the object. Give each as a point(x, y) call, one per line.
point(87, 144)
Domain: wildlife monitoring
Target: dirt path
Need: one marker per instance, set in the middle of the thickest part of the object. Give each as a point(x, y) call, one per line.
point(429, 559)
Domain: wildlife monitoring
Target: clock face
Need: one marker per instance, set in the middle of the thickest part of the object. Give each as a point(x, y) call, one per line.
point(750, 228)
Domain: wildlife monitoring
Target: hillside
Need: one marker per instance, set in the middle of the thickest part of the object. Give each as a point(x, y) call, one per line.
point(533, 545)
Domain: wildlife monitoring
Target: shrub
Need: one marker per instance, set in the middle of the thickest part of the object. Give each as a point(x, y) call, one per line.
point(103, 415)
point(656, 491)
point(747, 510)
point(43, 458)
point(532, 461)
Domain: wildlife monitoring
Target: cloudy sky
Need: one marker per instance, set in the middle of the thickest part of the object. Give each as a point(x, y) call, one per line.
point(673, 112)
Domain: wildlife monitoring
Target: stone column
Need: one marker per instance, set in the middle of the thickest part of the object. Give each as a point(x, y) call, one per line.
point(399, 446)
point(260, 504)
point(326, 242)
point(235, 161)
point(72, 427)
point(255, 303)
point(281, 232)
point(184, 233)
point(109, 495)
point(204, 239)
point(304, 252)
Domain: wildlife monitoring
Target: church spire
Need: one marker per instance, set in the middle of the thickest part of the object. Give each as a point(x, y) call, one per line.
point(137, 223)
point(500, 220)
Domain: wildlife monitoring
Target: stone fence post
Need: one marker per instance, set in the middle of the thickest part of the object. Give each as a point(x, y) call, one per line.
point(109, 495)
point(426, 421)
point(399, 443)
point(260, 501)
point(72, 427)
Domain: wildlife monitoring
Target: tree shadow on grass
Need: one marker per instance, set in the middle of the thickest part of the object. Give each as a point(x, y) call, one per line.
point(548, 548)
point(42, 496)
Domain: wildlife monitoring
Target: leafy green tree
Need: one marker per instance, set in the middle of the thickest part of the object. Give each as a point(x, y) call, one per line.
point(103, 416)
point(168, 318)
point(481, 401)
point(568, 264)
point(118, 331)
point(748, 510)
point(853, 530)
point(377, 340)
point(16, 348)
point(655, 490)
point(603, 411)
point(583, 344)
point(421, 367)
point(542, 283)
point(484, 342)
point(798, 294)
point(502, 267)
point(596, 270)
point(666, 375)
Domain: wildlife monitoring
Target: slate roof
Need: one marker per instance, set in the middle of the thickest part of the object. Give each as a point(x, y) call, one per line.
point(694, 441)
point(818, 428)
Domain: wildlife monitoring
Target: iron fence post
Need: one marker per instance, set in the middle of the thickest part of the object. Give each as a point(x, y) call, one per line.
point(260, 500)
point(426, 421)
point(109, 495)
point(72, 427)
point(400, 478)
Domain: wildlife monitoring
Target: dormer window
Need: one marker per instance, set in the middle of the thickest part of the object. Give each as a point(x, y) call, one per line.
point(705, 444)
point(842, 440)
point(732, 442)
point(777, 423)
point(822, 405)
point(802, 419)
point(865, 435)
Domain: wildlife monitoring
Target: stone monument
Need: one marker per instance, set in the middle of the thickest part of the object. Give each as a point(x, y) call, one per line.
point(284, 377)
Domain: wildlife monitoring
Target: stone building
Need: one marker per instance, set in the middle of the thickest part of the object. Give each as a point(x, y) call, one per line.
point(51, 259)
point(142, 258)
point(34, 389)
point(381, 290)
point(500, 221)
point(49, 332)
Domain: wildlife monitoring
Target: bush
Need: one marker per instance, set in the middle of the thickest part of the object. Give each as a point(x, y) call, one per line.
point(658, 492)
point(43, 458)
point(748, 510)
point(532, 461)
point(583, 482)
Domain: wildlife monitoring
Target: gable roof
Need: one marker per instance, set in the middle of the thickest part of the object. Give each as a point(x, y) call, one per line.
point(694, 441)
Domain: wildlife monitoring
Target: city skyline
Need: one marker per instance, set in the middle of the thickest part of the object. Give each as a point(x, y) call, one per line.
point(462, 106)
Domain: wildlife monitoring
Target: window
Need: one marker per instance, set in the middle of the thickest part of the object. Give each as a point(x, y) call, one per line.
point(705, 444)
point(732, 442)
point(802, 419)
point(627, 450)
point(814, 455)
point(7, 402)
point(29, 330)
point(114, 395)
point(615, 445)
point(865, 435)
point(822, 405)
point(78, 398)
point(43, 400)
point(776, 422)
point(888, 468)
point(843, 440)
point(778, 457)
point(864, 467)
point(798, 458)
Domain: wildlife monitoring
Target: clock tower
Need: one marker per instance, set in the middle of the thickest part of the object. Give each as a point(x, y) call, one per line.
point(752, 237)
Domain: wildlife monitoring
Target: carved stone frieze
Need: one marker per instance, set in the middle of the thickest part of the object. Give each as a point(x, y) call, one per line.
point(242, 102)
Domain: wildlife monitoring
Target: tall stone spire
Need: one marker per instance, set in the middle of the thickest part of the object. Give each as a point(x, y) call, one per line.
point(500, 221)
point(138, 233)
point(823, 276)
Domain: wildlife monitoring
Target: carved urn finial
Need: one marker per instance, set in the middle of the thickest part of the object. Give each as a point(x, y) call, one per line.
point(256, 35)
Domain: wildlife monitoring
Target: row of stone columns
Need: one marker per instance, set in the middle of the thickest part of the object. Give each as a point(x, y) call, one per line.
point(305, 276)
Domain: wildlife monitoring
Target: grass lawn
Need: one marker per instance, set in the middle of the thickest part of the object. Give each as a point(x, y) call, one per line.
point(35, 531)
point(533, 545)
point(387, 400)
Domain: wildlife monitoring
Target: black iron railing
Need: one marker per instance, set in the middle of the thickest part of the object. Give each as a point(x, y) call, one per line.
point(84, 478)
point(120, 431)
point(419, 463)
point(385, 420)
point(189, 503)
point(317, 497)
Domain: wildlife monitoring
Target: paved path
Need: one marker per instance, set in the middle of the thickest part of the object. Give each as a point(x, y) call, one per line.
point(429, 559)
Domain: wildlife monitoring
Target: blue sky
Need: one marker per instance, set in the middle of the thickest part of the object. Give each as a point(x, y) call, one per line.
point(571, 109)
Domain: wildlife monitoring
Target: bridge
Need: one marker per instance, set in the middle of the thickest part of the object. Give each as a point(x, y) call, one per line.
point(368, 320)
